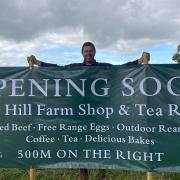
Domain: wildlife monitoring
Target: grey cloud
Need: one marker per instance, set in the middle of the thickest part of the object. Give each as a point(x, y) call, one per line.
point(105, 22)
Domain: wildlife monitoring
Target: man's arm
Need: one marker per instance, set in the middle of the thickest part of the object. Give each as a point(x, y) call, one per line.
point(33, 61)
point(144, 59)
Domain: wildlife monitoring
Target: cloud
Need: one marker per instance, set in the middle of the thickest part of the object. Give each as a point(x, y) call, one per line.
point(116, 26)
point(104, 21)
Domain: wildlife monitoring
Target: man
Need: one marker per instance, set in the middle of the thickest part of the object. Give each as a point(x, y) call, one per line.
point(88, 52)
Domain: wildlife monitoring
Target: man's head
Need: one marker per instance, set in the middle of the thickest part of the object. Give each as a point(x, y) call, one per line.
point(88, 51)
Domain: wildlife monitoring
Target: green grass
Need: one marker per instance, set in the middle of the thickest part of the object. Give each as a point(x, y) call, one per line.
point(73, 174)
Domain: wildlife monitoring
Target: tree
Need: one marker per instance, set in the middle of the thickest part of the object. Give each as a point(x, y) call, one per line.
point(176, 56)
point(178, 48)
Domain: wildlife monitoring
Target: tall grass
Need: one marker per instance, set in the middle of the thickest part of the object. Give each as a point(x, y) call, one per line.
point(73, 174)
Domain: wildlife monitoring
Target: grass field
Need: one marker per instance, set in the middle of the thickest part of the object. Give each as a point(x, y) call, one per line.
point(73, 174)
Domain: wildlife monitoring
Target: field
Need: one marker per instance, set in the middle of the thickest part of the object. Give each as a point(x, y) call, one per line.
point(73, 174)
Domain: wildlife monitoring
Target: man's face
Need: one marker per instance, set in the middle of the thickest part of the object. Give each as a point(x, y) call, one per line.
point(88, 53)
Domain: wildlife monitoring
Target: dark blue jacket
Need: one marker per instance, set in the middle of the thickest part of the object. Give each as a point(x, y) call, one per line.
point(44, 64)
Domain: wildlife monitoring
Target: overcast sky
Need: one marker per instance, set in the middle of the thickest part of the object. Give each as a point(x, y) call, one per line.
point(54, 30)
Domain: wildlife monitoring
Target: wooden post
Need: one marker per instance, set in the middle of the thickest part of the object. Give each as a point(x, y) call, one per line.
point(145, 60)
point(31, 174)
point(31, 170)
point(149, 176)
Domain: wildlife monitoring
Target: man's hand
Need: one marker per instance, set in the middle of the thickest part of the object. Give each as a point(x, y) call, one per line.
point(145, 58)
point(32, 60)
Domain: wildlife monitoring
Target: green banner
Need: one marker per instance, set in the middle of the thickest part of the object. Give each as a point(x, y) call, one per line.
point(120, 117)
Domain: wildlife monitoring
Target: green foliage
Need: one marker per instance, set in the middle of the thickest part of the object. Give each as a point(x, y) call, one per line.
point(176, 57)
point(73, 174)
point(13, 174)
